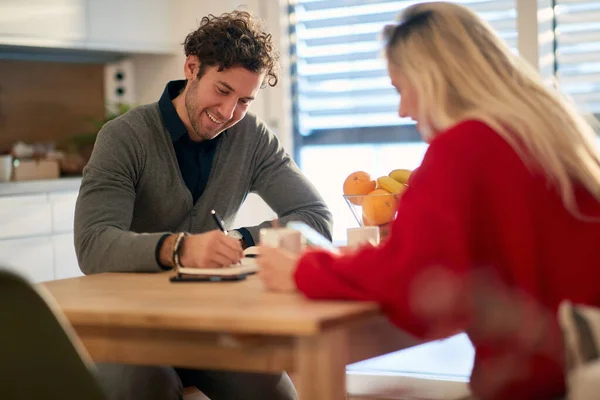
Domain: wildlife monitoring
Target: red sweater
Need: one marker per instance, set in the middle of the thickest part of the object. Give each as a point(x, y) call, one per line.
point(474, 206)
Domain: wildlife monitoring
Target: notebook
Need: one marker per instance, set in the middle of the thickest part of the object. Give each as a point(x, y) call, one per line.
point(247, 266)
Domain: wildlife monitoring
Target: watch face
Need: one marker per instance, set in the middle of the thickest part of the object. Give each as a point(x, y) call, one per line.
point(235, 234)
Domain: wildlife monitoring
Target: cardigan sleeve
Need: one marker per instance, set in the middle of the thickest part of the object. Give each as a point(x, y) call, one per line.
point(105, 206)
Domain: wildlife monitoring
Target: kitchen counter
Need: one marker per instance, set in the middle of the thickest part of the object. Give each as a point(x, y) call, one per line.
point(41, 186)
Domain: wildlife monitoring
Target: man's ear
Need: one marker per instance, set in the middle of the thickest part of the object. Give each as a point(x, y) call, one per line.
point(191, 67)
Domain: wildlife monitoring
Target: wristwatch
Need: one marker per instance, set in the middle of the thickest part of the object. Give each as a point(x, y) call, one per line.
point(237, 235)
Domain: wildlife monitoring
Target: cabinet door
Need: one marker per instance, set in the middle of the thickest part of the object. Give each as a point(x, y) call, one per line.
point(132, 25)
point(63, 211)
point(65, 260)
point(42, 22)
point(24, 216)
point(31, 257)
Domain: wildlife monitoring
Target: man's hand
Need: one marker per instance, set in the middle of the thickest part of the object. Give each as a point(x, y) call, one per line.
point(211, 249)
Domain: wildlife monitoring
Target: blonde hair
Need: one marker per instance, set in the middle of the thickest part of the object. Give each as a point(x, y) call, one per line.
point(463, 70)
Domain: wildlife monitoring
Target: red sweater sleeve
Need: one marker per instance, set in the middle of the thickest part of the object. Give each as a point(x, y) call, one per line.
point(431, 231)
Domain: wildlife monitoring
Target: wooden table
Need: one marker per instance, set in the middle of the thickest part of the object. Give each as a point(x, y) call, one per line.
point(145, 319)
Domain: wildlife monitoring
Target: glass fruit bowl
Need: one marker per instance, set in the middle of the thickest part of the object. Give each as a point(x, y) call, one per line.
point(377, 208)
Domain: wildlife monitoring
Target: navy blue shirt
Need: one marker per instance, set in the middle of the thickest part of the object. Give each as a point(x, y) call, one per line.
point(194, 158)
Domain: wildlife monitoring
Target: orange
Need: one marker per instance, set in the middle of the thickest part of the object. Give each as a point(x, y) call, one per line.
point(366, 222)
point(358, 183)
point(379, 209)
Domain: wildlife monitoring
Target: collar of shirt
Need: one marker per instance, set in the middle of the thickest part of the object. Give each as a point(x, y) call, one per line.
point(170, 117)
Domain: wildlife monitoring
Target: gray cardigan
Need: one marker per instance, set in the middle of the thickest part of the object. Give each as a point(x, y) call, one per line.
point(132, 191)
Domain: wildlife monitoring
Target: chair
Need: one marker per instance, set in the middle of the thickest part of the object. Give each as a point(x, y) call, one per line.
point(432, 370)
point(192, 393)
point(581, 329)
point(40, 356)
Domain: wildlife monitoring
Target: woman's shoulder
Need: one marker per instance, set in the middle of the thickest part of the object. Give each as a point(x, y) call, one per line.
point(468, 132)
point(473, 139)
point(472, 147)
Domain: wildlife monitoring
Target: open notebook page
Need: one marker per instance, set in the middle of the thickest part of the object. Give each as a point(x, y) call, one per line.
point(247, 266)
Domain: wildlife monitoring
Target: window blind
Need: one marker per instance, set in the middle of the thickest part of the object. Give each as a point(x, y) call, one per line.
point(578, 51)
point(340, 76)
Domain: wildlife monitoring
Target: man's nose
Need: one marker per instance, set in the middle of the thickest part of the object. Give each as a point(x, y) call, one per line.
point(226, 110)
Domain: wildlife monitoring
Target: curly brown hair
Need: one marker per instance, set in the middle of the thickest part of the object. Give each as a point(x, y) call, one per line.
point(235, 39)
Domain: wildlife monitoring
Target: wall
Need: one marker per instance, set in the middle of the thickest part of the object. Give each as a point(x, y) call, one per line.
point(46, 101)
point(272, 105)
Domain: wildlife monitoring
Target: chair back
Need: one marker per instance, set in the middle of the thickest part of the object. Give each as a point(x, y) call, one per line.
point(40, 356)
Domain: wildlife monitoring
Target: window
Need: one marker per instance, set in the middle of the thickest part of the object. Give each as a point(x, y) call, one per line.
point(341, 81)
point(578, 51)
point(345, 109)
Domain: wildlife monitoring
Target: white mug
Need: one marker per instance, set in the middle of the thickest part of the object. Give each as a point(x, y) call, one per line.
point(285, 238)
point(362, 235)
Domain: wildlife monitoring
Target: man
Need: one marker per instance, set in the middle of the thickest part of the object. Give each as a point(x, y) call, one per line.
point(157, 171)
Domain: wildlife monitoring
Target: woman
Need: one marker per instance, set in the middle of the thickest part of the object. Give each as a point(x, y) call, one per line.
point(499, 225)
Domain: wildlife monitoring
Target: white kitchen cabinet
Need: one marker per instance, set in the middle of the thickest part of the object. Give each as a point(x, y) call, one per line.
point(36, 228)
point(31, 257)
point(62, 206)
point(65, 260)
point(52, 23)
point(131, 26)
point(23, 216)
point(134, 25)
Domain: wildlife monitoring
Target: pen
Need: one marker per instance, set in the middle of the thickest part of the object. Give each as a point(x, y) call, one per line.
point(218, 221)
point(220, 225)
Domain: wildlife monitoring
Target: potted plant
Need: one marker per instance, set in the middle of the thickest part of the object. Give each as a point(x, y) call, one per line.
point(78, 148)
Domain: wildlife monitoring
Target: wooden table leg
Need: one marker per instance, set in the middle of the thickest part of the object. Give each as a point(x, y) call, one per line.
point(320, 367)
